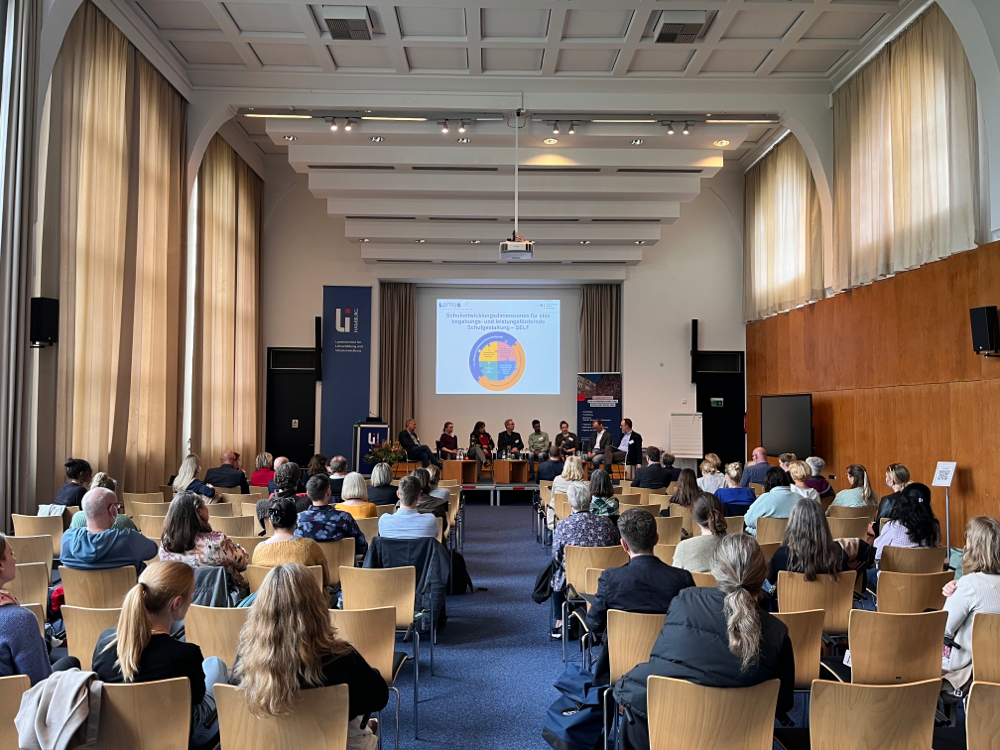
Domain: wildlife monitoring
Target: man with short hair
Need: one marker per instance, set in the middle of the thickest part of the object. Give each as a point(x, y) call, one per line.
point(756, 470)
point(407, 522)
point(98, 545)
point(644, 584)
point(324, 523)
point(629, 450)
point(600, 441)
point(271, 486)
point(410, 443)
point(509, 441)
point(566, 440)
point(538, 445)
point(653, 476)
point(552, 468)
point(338, 470)
point(667, 459)
point(228, 474)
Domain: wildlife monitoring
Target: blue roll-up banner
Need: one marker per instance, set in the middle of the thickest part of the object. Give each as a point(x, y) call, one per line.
point(598, 396)
point(347, 352)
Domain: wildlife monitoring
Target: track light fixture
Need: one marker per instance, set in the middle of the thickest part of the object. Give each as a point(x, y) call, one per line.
point(687, 128)
point(572, 128)
point(333, 124)
point(555, 128)
point(444, 126)
point(350, 124)
point(461, 126)
point(670, 128)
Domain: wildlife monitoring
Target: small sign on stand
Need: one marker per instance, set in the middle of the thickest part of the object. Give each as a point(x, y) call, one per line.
point(943, 476)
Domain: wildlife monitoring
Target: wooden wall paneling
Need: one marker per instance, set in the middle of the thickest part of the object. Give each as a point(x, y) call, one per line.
point(753, 422)
point(987, 275)
point(886, 350)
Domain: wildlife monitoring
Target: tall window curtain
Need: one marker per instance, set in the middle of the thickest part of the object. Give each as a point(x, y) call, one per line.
point(782, 236)
point(906, 156)
point(601, 328)
point(397, 354)
point(226, 399)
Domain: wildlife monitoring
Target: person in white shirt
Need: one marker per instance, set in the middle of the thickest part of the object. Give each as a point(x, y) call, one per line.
point(800, 472)
point(710, 479)
point(600, 441)
point(407, 522)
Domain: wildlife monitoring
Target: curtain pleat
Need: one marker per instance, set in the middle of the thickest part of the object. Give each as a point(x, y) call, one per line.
point(397, 354)
point(600, 328)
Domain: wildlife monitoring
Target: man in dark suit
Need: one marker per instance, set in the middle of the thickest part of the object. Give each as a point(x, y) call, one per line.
point(644, 584)
point(653, 476)
point(228, 474)
point(597, 446)
point(509, 440)
point(410, 443)
point(629, 448)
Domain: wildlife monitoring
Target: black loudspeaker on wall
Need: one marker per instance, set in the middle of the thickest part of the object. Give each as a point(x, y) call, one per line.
point(43, 327)
point(985, 329)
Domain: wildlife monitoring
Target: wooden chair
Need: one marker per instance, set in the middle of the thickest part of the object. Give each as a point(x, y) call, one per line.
point(684, 511)
point(149, 509)
point(39, 612)
point(167, 490)
point(229, 498)
point(249, 543)
point(665, 551)
point(912, 559)
point(255, 575)
point(216, 630)
point(843, 715)
point(338, 553)
point(911, 592)
point(683, 715)
point(630, 498)
point(318, 719)
point(97, 589)
point(835, 598)
point(592, 578)
point(248, 509)
point(32, 549)
point(704, 580)
point(369, 527)
point(219, 510)
point(144, 497)
point(228, 491)
point(383, 510)
point(151, 526)
point(805, 630)
point(890, 649)
point(51, 526)
point(234, 526)
point(130, 713)
point(735, 525)
point(648, 496)
point(83, 629)
point(563, 509)
point(31, 583)
point(769, 550)
point(11, 690)
point(848, 528)
point(770, 530)
point(401, 469)
point(844, 511)
point(986, 647)
point(631, 636)
point(982, 720)
point(669, 529)
point(757, 487)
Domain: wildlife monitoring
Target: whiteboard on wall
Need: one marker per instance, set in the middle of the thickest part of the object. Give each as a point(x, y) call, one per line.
point(685, 436)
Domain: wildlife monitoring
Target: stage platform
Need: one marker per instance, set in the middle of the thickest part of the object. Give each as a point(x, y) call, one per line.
point(495, 490)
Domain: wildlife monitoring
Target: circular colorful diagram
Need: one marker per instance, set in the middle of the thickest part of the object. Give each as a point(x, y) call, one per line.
point(497, 361)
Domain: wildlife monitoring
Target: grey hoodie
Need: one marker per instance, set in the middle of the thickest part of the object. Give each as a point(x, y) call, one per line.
point(113, 548)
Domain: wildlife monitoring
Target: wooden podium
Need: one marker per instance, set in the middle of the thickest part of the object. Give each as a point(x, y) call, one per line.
point(510, 472)
point(464, 472)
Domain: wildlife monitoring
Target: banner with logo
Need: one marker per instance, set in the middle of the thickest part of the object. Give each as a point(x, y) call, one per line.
point(598, 396)
point(347, 351)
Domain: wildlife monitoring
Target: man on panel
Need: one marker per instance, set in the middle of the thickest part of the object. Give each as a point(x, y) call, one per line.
point(538, 445)
point(510, 441)
point(600, 441)
point(410, 443)
point(629, 448)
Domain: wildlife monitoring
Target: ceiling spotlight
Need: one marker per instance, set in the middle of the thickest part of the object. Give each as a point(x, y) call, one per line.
point(640, 242)
point(637, 141)
point(364, 239)
point(550, 141)
point(377, 139)
point(555, 128)
point(465, 140)
point(461, 127)
point(572, 128)
point(420, 242)
point(687, 128)
point(349, 125)
point(584, 242)
point(670, 128)
point(722, 143)
point(289, 137)
point(444, 126)
point(333, 124)
point(476, 242)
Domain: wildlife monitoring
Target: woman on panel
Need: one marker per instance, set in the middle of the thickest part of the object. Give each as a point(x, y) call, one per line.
point(696, 553)
point(808, 546)
point(603, 501)
point(187, 477)
point(859, 493)
point(382, 492)
point(799, 472)
point(449, 443)
point(188, 538)
point(481, 445)
point(572, 475)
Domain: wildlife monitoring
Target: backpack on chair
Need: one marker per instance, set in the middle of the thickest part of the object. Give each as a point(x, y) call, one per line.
point(575, 720)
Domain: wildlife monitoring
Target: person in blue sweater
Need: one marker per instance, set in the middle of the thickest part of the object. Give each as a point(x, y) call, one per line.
point(99, 545)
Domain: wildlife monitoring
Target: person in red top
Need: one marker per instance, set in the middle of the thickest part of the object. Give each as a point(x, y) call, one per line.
point(264, 472)
point(481, 444)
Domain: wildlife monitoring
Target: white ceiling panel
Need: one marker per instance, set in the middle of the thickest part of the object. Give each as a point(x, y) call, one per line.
point(439, 22)
point(511, 23)
point(507, 58)
point(596, 24)
point(438, 58)
point(809, 60)
point(284, 54)
point(734, 60)
point(179, 15)
point(586, 60)
point(263, 17)
point(208, 53)
point(665, 59)
point(769, 24)
point(840, 25)
point(362, 57)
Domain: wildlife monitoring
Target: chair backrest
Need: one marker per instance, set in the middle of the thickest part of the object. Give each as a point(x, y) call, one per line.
point(891, 649)
point(372, 632)
point(669, 529)
point(319, 719)
point(97, 589)
point(129, 711)
point(39, 612)
point(249, 543)
point(255, 575)
point(216, 630)
point(848, 528)
point(845, 715)
point(578, 559)
point(51, 526)
point(757, 487)
point(645, 492)
point(229, 498)
point(235, 526)
point(684, 511)
point(32, 549)
point(31, 583)
point(144, 497)
point(911, 592)
point(448, 483)
point(769, 549)
point(665, 552)
point(149, 509)
point(982, 720)
point(683, 715)
point(369, 527)
point(167, 490)
point(770, 530)
point(835, 598)
point(151, 526)
point(11, 690)
point(338, 553)
point(217, 510)
point(805, 630)
point(369, 588)
point(912, 559)
point(704, 580)
point(84, 627)
point(248, 509)
point(563, 509)
point(846, 511)
point(986, 647)
point(617, 490)
point(630, 498)
point(228, 491)
point(735, 524)
point(382, 510)
point(592, 578)
point(631, 636)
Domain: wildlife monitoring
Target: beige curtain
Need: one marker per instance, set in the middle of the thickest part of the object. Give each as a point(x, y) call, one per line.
point(225, 404)
point(906, 156)
point(782, 236)
point(397, 354)
point(601, 328)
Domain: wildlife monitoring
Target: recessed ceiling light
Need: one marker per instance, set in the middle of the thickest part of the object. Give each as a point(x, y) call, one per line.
point(377, 139)
point(722, 143)
point(465, 140)
point(550, 141)
point(364, 239)
point(421, 241)
point(289, 137)
point(476, 242)
point(640, 242)
point(584, 242)
point(637, 141)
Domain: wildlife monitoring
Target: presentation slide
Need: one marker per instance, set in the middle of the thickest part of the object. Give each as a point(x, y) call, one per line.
point(497, 346)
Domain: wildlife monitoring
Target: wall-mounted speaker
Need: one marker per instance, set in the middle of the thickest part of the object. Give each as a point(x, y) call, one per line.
point(985, 329)
point(43, 326)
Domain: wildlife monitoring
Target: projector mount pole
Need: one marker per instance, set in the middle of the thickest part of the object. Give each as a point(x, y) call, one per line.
point(516, 236)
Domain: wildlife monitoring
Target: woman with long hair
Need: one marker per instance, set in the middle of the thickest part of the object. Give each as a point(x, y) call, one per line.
point(481, 445)
point(719, 637)
point(603, 501)
point(912, 523)
point(687, 489)
point(808, 545)
point(288, 644)
point(187, 477)
point(284, 546)
point(696, 553)
point(572, 475)
point(859, 493)
point(318, 464)
point(188, 538)
point(141, 648)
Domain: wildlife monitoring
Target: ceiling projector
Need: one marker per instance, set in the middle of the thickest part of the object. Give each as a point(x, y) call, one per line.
point(516, 248)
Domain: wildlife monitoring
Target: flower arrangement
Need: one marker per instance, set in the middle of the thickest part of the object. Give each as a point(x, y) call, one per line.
point(385, 452)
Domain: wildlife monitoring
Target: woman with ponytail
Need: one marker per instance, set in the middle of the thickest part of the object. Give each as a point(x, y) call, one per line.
point(859, 493)
point(141, 648)
point(696, 553)
point(717, 637)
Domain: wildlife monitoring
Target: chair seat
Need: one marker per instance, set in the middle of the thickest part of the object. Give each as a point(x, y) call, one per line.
point(833, 668)
point(398, 657)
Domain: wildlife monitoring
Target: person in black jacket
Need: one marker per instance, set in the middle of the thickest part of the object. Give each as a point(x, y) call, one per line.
point(78, 476)
point(229, 474)
point(716, 637)
point(508, 440)
point(644, 584)
point(410, 443)
point(652, 476)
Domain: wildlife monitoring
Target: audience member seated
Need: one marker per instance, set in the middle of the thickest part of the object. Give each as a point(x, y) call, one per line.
point(799, 472)
point(785, 460)
point(716, 461)
point(808, 547)
point(817, 481)
point(667, 460)
point(22, 649)
point(776, 502)
point(859, 492)
point(141, 648)
point(99, 545)
point(716, 637)
point(581, 529)
point(408, 522)
point(102, 480)
point(322, 522)
point(644, 584)
point(288, 645)
point(978, 590)
point(734, 492)
point(757, 469)
point(572, 475)
point(382, 492)
point(711, 479)
point(317, 465)
point(78, 476)
point(187, 480)
point(338, 472)
point(538, 446)
point(696, 553)
point(410, 443)
point(897, 477)
point(354, 497)
point(448, 441)
point(441, 493)
point(284, 546)
point(566, 441)
point(228, 473)
point(278, 463)
point(481, 445)
point(188, 538)
point(653, 476)
point(549, 470)
point(603, 501)
point(687, 490)
point(264, 471)
point(286, 481)
point(428, 503)
point(912, 523)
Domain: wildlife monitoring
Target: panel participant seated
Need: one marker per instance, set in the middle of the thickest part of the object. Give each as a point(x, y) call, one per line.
point(481, 445)
point(410, 443)
point(600, 441)
point(449, 443)
point(653, 476)
point(510, 441)
point(566, 441)
point(629, 450)
point(538, 445)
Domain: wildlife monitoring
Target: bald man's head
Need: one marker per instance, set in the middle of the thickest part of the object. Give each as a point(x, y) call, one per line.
point(759, 455)
point(279, 461)
point(100, 506)
point(228, 458)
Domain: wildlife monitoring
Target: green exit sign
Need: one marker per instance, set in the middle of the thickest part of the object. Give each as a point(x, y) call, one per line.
point(716, 402)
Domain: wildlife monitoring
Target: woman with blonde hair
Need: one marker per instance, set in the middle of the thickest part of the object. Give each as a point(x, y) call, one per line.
point(978, 590)
point(187, 477)
point(696, 553)
point(799, 471)
point(859, 494)
point(141, 648)
point(710, 479)
point(732, 492)
point(897, 478)
point(716, 461)
point(572, 475)
point(264, 472)
point(354, 497)
point(718, 637)
point(288, 644)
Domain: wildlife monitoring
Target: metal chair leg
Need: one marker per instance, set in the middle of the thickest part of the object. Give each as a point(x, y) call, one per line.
point(416, 678)
point(396, 691)
point(565, 629)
